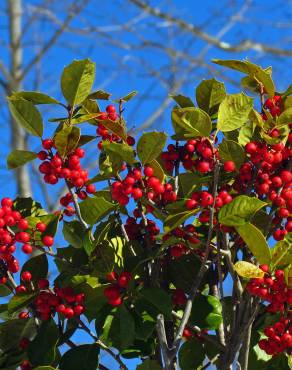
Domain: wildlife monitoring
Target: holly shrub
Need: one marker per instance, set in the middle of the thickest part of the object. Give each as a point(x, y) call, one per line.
point(176, 251)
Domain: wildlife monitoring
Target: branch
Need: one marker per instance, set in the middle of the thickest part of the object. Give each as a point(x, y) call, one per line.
point(76, 205)
point(245, 45)
point(74, 11)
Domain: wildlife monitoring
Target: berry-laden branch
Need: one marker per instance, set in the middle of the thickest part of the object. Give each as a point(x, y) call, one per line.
point(169, 228)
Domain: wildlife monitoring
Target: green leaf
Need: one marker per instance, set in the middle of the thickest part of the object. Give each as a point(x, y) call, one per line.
point(209, 94)
point(27, 115)
point(190, 122)
point(74, 233)
point(123, 151)
point(44, 368)
point(248, 270)
point(4, 291)
point(240, 210)
point(256, 242)
point(282, 251)
point(129, 96)
point(149, 365)
point(80, 118)
point(19, 301)
point(231, 151)
point(182, 101)
point(94, 301)
point(191, 355)
point(177, 218)
point(42, 350)
point(87, 243)
point(150, 145)
point(94, 209)
point(18, 158)
point(84, 139)
point(285, 118)
point(66, 139)
point(182, 271)
point(77, 80)
point(259, 74)
point(189, 181)
point(11, 331)
point(117, 127)
point(28, 207)
point(99, 95)
point(37, 266)
point(206, 312)
point(83, 357)
point(246, 133)
point(158, 170)
point(159, 299)
point(233, 112)
point(122, 329)
point(36, 97)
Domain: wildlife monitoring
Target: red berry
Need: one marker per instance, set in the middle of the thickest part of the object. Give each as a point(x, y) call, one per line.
point(26, 276)
point(48, 240)
point(26, 248)
point(43, 283)
point(41, 226)
point(22, 224)
point(229, 166)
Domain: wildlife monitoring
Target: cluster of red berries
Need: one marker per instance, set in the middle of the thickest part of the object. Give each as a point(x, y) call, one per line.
point(273, 182)
point(273, 289)
point(203, 199)
point(274, 106)
point(279, 337)
point(135, 185)
point(135, 230)
point(61, 300)
point(188, 333)
point(119, 283)
point(10, 218)
point(103, 133)
point(196, 154)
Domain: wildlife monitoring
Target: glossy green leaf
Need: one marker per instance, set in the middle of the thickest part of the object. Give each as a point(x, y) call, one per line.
point(158, 170)
point(190, 122)
point(99, 95)
point(36, 97)
point(159, 299)
point(4, 290)
point(233, 112)
point(18, 158)
point(122, 329)
point(66, 139)
point(19, 301)
point(77, 80)
point(37, 266)
point(117, 127)
point(12, 330)
point(129, 96)
point(189, 181)
point(44, 368)
point(256, 242)
point(209, 94)
point(42, 350)
point(124, 151)
point(246, 133)
point(240, 210)
point(282, 251)
point(150, 145)
point(27, 115)
point(259, 74)
point(231, 151)
point(176, 218)
point(94, 209)
point(206, 312)
point(83, 357)
point(182, 101)
point(191, 355)
point(74, 233)
point(84, 139)
point(285, 118)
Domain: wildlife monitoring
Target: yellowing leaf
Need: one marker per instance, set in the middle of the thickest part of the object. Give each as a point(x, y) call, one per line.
point(248, 270)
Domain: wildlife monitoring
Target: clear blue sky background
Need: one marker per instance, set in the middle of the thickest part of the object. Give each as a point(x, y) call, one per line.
point(121, 71)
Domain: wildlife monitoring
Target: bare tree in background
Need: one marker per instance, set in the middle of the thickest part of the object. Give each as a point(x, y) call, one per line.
point(161, 45)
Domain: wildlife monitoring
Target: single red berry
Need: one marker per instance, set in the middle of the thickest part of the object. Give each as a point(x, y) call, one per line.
point(26, 276)
point(26, 248)
point(229, 166)
point(41, 226)
point(43, 283)
point(22, 224)
point(48, 240)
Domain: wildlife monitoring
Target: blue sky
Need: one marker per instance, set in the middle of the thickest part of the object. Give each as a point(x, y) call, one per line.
point(126, 67)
